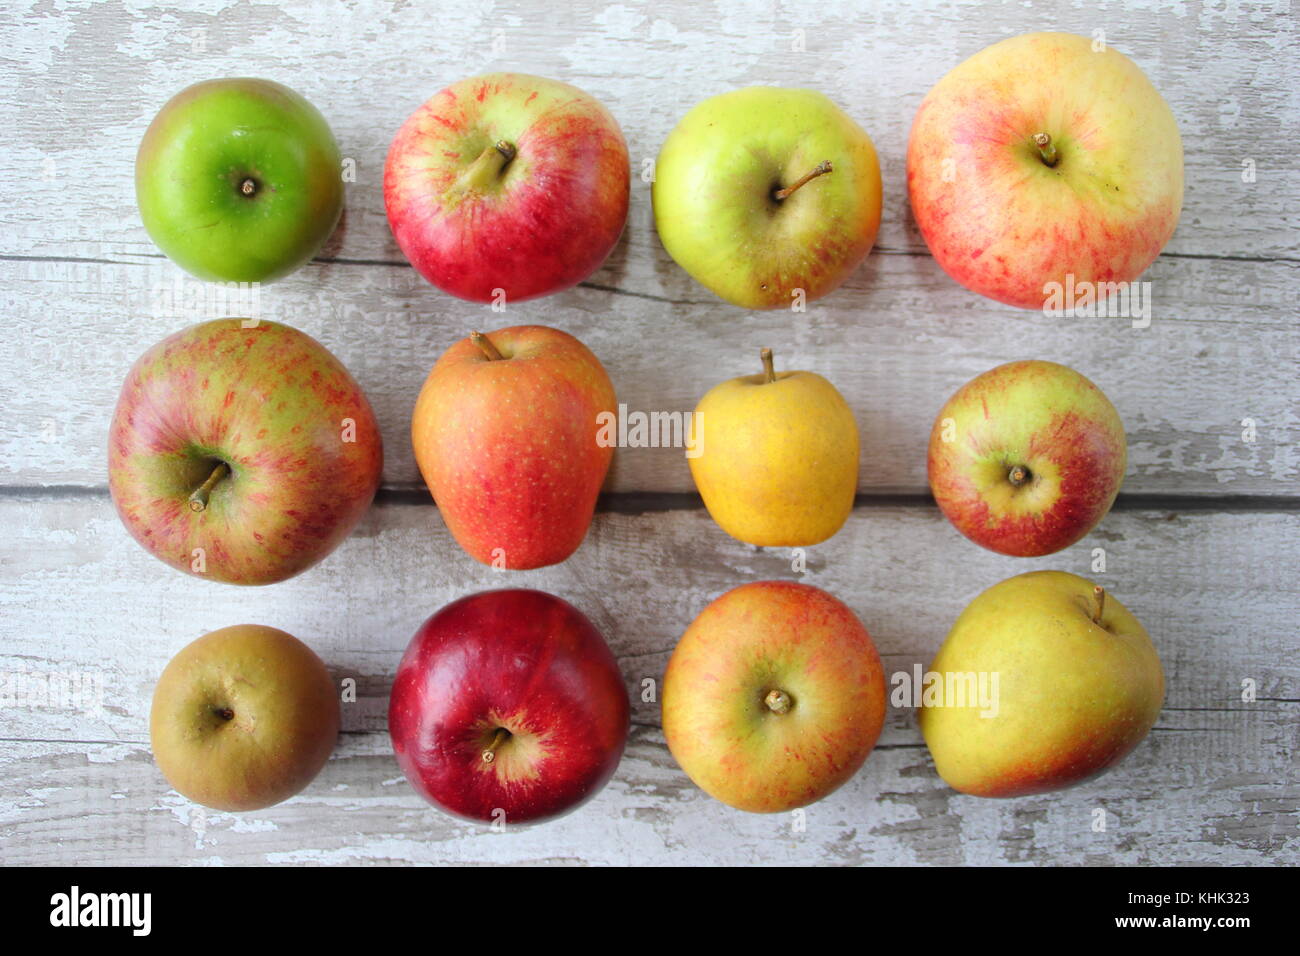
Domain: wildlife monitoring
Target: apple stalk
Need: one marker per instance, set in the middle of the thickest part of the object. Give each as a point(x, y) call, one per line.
point(199, 499)
point(820, 169)
point(1046, 149)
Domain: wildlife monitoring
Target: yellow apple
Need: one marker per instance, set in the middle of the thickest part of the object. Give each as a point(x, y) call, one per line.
point(777, 462)
point(1077, 685)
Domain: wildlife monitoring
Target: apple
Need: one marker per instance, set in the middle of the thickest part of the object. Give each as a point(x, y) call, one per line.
point(242, 452)
point(773, 697)
point(239, 180)
point(1079, 685)
point(768, 197)
point(508, 708)
point(506, 187)
point(777, 461)
point(507, 437)
point(1043, 157)
point(1027, 458)
point(243, 718)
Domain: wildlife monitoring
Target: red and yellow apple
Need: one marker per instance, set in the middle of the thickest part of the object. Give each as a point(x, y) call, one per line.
point(506, 435)
point(505, 187)
point(773, 697)
point(243, 718)
point(1042, 157)
point(1079, 685)
point(1027, 458)
point(508, 707)
point(242, 453)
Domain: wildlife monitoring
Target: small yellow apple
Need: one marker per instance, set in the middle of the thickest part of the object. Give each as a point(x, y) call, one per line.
point(777, 462)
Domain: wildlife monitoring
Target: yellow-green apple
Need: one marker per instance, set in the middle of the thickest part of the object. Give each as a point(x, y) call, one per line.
point(1042, 157)
point(765, 195)
point(773, 697)
point(777, 461)
point(239, 180)
point(506, 435)
point(505, 187)
point(1027, 458)
point(242, 452)
point(243, 718)
point(1078, 686)
point(508, 707)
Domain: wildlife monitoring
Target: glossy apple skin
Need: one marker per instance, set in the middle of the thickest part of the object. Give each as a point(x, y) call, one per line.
point(1000, 221)
point(1047, 418)
point(1074, 697)
point(778, 461)
point(713, 204)
point(545, 223)
point(200, 148)
point(519, 659)
point(279, 726)
point(758, 637)
point(509, 448)
point(270, 402)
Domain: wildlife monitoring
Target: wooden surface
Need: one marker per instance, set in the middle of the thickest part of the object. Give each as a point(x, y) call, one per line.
point(1202, 546)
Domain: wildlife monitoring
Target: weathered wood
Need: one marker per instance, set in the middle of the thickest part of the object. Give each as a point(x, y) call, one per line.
point(1215, 782)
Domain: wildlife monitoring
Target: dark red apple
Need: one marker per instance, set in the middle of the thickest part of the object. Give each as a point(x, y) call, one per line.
point(508, 707)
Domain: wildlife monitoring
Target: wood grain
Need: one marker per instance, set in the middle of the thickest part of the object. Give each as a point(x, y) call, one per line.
point(1216, 781)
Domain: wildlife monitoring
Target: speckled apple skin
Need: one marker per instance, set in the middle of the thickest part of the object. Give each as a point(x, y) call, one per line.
point(1046, 417)
point(550, 220)
point(1001, 222)
point(271, 402)
point(757, 637)
point(509, 448)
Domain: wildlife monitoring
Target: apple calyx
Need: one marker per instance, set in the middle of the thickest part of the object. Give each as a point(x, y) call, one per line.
point(248, 187)
point(1099, 593)
point(1046, 149)
point(1019, 476)
point(483, 172)
point(486, 347)
point(199, 499)
point(500, 737)
point(820, 169)
point(769, 369)
point(225, 713)
point(778, 701)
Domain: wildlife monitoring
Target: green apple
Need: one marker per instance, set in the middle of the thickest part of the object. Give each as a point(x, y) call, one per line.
point(774, 696)
point(766, 195)
point(778, 457)
point(243, 718)
point(1077, 686)
point(239, 180)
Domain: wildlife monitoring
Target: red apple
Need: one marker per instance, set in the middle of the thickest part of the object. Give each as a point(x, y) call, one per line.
point(242, 454)
point(505, 187)
point(1027, 458)
point(508, 707)
point(1043, 161)
point(773, 697)
point(506, 433)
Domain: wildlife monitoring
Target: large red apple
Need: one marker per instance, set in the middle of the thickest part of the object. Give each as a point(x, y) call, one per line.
point(242, 454)
point(1041, 158)
point(507, 435)
point(1027, 458)
point(505, 187)
point(773, 697)
point(508, 707)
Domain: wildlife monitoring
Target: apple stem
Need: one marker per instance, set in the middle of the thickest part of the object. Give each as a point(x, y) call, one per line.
point(1046, 148)
point(821, 169)
point(485, 345)
point(1018, 475)
point(490, 753)
point(199, 500)
point(1099, 593)
point(777, 701)
point(484, 170)
point(769, 369)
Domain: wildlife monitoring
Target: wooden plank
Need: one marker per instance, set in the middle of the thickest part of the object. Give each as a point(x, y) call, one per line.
point(1216, 781)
